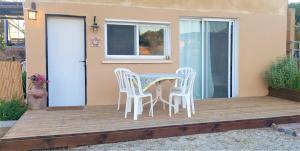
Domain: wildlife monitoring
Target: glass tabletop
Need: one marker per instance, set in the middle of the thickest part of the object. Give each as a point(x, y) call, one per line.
point(150, 79)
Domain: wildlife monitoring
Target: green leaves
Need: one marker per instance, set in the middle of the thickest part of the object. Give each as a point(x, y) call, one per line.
point(12, 110)
point(2, 42)
point(283, 73)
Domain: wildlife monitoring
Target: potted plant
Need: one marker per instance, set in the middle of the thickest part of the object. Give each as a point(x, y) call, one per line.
point(37, 94)
point(283, 79)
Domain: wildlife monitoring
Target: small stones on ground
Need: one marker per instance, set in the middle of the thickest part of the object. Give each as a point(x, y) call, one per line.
point(292, 129)
point(250, 139)
point(5, 124)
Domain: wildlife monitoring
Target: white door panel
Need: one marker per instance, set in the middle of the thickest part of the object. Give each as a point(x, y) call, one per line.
point(66, 50)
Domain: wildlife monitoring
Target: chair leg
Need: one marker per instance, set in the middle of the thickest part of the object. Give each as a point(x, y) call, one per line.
point(192, 103)
point(135, 108)
point(176, 104)
point(128, 102)
point(183, 101)
point(170, 105)
point(188, 105)
point(151, 107)
point(119, 99)
point(140, 102)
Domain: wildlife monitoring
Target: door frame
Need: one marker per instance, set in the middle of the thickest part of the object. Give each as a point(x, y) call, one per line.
point(233, 54)
point(46, 41)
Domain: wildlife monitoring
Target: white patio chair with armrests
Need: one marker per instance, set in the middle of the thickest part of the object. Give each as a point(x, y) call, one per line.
point(136, 93)
point(185, 92)
point(119, 72)
point(179, 83)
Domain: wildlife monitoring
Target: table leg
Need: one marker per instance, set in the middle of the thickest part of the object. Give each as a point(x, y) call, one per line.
point(159, 94)
point(159, 97)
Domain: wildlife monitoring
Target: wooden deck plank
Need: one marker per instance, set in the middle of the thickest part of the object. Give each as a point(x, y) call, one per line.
point(106, 118)
point(100, 124)
point(73, 140)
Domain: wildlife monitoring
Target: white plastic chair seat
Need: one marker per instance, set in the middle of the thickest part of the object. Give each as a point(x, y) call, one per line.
point(145, 94)
point(177, 90)
point(125, 91)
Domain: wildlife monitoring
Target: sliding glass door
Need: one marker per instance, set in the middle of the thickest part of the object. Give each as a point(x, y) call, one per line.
point(206, 46)
point(190, 51)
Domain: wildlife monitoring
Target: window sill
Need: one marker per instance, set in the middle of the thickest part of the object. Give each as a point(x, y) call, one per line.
point(136, 61)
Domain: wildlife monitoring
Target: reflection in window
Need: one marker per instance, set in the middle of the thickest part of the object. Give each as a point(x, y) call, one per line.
point(151, 40)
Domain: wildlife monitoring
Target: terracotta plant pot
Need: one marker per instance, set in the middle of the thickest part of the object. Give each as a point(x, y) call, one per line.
point(37, 98)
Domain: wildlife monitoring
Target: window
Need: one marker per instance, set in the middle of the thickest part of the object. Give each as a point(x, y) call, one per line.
point(137, 40)
point(120, 40)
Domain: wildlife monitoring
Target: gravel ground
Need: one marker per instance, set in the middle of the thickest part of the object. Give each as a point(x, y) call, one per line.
point(252, 139)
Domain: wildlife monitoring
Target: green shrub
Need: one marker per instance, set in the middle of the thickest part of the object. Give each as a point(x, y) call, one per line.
point(297, 83)
point(12, 110)
point(283, 73)
point(2, 42)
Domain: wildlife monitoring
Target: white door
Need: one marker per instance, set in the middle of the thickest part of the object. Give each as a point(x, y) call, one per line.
point(66, 61)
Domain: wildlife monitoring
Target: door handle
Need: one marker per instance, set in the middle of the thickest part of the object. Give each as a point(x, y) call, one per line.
point(83, 61)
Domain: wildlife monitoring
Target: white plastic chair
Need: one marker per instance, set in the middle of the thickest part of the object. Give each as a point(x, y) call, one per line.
point(185, 91)
point(184, 71)
point(119, 72)
point(136, 93)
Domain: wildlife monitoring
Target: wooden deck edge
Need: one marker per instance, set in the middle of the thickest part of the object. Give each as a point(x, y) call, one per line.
point(74, 140)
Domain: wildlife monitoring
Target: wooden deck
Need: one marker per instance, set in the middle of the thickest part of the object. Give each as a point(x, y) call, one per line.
point(104, 124)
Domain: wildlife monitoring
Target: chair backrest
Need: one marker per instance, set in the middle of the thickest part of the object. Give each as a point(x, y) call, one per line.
point(190, 82)
point(133, 84)
point(185, 71)
point(120, 72)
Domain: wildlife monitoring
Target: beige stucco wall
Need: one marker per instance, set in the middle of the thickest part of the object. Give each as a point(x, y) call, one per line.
point(291, 23)
point(262, 37)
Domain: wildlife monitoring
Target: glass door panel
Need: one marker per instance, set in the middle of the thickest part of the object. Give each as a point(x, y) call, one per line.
point(217, 59)
point(206, 46)
point(191, 51)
